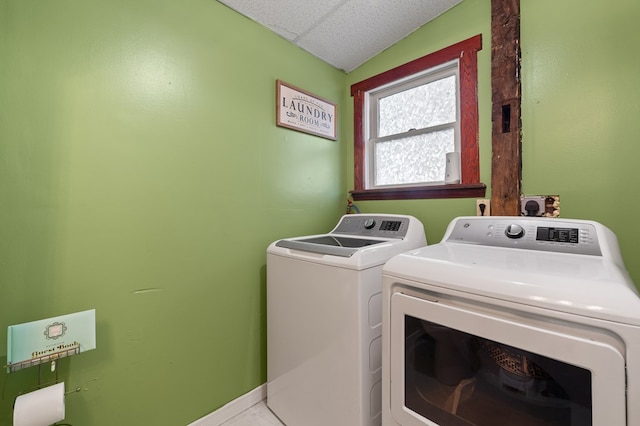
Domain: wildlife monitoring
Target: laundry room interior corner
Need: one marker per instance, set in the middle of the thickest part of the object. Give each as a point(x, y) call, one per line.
point(144, 175)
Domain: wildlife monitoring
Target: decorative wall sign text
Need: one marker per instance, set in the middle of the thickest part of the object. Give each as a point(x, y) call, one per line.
point(300, 110)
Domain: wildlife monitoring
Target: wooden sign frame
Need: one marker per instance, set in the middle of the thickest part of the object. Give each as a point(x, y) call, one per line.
point(305, 112)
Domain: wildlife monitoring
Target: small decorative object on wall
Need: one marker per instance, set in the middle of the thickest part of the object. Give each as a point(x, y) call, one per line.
point(300, 110)
point(38, 342)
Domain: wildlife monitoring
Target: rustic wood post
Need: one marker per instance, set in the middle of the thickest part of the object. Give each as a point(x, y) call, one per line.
point(506, 161)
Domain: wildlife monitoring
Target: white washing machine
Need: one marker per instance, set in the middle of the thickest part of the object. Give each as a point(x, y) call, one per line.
point(510, 320)
point(324, 314)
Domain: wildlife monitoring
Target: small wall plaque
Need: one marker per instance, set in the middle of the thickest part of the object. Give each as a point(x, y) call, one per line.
point(37, 342)
point(300, 110)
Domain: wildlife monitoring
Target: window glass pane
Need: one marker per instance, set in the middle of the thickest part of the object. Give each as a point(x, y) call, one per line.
point(414, 159)
point(424, 106)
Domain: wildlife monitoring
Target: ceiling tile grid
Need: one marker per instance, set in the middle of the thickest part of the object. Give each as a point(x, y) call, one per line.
point(343, 33)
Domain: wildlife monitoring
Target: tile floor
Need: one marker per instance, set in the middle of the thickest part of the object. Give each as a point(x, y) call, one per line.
point(257, 415)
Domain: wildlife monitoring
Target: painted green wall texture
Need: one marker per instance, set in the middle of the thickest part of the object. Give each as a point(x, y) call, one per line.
point(142, 174)
point(581, 103)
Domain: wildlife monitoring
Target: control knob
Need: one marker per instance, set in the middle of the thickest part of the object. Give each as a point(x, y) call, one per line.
point(514, 231)
point(369, 223)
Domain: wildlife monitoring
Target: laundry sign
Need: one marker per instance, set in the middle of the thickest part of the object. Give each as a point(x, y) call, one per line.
point(300, 110)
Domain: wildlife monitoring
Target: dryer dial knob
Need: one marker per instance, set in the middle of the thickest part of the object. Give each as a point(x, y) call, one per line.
point(369, 223)
point(514, 231)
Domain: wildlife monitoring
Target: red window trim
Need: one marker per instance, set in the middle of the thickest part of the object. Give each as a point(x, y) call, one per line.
point(467, 53)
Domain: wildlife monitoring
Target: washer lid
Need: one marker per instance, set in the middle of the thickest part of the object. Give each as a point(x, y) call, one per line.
point(359, 241)
point(329, 244)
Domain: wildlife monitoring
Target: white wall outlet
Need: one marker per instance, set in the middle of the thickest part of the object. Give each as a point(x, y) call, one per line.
point(532, 205)
point(483, 207)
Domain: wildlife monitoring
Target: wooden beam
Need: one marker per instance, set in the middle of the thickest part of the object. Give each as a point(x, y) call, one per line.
point(506, 161)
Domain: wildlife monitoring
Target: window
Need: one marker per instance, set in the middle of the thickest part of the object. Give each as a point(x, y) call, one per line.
point(408, 118)
point(410, 127)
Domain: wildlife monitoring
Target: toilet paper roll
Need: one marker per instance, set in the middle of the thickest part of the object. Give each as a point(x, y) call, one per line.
point(452, 168)
point(40, 408)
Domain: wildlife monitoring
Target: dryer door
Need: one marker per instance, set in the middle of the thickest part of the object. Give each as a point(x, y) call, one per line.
point(450, 365)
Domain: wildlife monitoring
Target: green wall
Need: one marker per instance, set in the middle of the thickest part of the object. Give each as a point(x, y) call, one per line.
point(580, 109)
point(581, 103)
point(138, 151)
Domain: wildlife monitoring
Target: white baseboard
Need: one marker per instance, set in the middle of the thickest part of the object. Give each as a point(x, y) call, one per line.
point(233, 408)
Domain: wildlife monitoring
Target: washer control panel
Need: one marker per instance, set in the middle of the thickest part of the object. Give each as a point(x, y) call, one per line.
point(378, 226)
point(545, 234)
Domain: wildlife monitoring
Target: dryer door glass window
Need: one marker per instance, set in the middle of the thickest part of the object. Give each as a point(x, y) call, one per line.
point(456, 378)
point(453, 365)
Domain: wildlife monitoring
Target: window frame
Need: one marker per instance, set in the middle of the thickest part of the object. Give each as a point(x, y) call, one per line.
point(465, 52)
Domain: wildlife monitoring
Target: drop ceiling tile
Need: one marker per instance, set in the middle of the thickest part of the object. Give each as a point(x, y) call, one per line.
point(343, 33)
point(288, 18)
point(360, 29)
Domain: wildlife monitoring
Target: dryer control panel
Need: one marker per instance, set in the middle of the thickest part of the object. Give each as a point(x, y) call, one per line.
point(545, 234)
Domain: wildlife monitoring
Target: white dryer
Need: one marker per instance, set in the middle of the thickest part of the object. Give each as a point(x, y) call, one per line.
point(324, 314)
point(512, 321)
